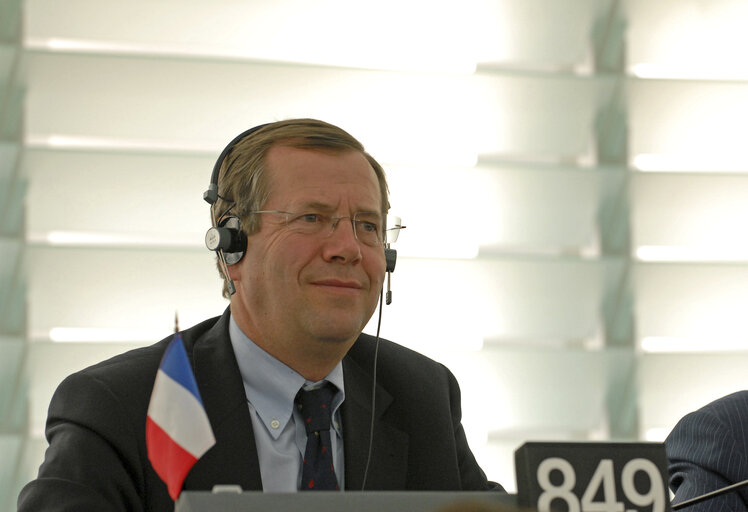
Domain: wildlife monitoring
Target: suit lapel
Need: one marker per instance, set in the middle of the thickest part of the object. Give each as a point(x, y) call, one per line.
point(233, 459)
point(388, 465)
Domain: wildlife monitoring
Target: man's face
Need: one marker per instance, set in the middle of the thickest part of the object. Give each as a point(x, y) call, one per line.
point(296, 290)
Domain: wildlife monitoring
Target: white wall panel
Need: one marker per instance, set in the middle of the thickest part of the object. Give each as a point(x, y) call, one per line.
point(502, 301)
point(696, 305)
point(157, 197)
point(403, 117)
point(674, 385)
point(687, 38)
point(690, 216)
point(693, 126)
point(49, 363)
point(110, 288)
point(422, 34)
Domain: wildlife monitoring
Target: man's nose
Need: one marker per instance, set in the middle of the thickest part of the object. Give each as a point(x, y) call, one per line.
point(342, 244)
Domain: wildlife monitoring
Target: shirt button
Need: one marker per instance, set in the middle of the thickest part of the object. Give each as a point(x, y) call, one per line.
point(275, 423)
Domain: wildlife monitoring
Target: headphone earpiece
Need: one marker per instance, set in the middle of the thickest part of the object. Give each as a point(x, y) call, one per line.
point(228, 238)
point(390, 256)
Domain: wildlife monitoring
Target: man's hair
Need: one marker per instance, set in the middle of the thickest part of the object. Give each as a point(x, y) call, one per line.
point(242, 179)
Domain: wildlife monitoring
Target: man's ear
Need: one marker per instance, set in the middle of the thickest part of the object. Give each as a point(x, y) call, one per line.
point(235, 271)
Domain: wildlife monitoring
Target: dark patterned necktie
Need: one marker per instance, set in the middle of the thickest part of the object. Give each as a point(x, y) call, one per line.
point(318, 473)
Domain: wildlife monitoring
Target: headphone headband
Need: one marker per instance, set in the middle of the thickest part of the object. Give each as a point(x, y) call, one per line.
point(211, 195)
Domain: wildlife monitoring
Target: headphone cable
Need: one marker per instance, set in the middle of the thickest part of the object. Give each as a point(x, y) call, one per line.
point(373, 391)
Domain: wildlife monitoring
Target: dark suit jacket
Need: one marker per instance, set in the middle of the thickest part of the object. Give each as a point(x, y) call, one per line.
point(708, 450)
point(97, 457)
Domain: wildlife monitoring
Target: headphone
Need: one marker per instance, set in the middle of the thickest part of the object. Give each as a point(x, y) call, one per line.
point(227, 238)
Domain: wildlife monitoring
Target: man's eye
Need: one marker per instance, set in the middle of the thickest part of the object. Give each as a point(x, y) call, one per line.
point(310, 218)
point(367, 226)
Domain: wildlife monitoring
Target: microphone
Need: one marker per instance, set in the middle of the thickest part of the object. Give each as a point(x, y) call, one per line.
point(709, 495)
point(389, 290)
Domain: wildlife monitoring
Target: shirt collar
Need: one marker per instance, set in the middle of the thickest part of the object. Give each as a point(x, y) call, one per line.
point(270, 385)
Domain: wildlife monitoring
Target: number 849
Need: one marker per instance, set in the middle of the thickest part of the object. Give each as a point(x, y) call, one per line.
point(604, 477)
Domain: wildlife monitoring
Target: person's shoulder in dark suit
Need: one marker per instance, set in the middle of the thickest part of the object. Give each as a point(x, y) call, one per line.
point(427, 405)
point(708, 450)
point(95, 429)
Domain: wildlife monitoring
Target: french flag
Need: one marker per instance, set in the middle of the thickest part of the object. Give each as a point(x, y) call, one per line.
point(177, 431)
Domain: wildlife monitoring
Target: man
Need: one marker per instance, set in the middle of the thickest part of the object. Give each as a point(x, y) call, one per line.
point(708, 450)
point(307, 264)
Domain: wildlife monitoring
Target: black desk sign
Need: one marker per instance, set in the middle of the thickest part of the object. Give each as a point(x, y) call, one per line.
point(592, 477)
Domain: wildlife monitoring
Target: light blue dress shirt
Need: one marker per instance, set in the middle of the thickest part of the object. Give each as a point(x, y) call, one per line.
point(280, 436)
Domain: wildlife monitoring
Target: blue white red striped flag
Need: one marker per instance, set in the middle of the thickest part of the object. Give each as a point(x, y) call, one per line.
point(177, 430)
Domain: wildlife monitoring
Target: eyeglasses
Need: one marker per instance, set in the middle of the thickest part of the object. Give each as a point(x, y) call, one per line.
point(367, 226)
